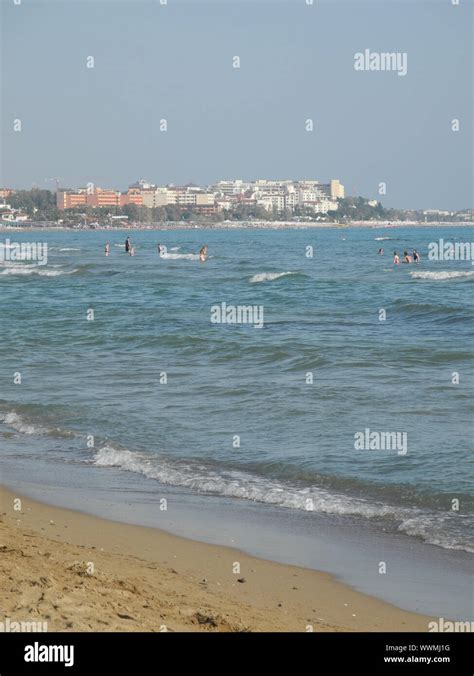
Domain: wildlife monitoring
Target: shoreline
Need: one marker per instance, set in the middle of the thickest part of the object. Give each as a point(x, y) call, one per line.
point(84, 573)
point(233, 225)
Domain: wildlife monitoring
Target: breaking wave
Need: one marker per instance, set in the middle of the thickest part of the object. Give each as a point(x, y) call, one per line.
point(269, 276)
point(176, 256)
point(245, 485)
point(442, 275)
point(33, 269)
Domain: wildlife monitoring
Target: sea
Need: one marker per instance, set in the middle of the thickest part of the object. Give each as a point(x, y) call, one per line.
point(223, 400)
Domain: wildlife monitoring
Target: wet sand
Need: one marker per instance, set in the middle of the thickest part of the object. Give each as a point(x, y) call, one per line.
point(81, 573)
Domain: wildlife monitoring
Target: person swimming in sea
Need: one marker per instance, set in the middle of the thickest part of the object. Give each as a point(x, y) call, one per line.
point(406, 257)
point(416, 256)
point(203, 253)
point(128, 244)
point(380, 252)
point(396, 258)
point(107, 249)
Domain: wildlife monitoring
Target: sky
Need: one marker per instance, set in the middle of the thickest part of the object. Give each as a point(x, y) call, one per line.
point(155, 60)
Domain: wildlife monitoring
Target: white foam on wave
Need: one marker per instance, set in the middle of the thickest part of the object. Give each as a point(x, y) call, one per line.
point(32, 270)
point(20, 425)
point(379, 239)
point(175, 248)
point(269, 276)
point(15, 268)
point(24, 426)
point(177, 256)
point(429, 527)
point(235, 484)
point(442, 275)
point(70, 248)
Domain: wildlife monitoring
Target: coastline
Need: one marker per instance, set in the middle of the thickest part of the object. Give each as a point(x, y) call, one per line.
point(145, 579)
point(233, 225)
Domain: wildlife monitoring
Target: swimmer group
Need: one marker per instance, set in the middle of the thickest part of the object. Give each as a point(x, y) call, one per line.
point(130, 250)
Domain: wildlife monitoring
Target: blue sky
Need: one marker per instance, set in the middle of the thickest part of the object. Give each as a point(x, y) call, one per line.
point(174, 61)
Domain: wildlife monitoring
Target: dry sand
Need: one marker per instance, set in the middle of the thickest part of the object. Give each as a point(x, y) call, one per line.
point(81, 573)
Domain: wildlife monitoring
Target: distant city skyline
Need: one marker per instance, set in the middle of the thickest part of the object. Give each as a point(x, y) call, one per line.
point(112, 91)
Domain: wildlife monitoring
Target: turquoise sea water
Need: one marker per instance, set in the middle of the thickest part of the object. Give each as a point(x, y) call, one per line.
point(165, 392)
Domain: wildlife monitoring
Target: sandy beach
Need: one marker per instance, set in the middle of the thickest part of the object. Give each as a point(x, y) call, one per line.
point(81, 573)
point(232, 225)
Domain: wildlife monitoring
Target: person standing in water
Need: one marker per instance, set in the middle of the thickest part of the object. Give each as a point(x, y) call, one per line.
point(203, 253)
point(396, 258)
point(416, 256)
point(132, 250)
point(107, 249)
point(406, 257)
point(128, 244)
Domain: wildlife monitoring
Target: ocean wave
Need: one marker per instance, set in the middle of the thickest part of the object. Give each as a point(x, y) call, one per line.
point(380, 239)
point(39, 270)
point(177, 256)
point(231, 483)
point(204, 478)
point(429, 528)
point(14, 420)
point(269, 276)
point(69, 248)
point(247, 486)
point(20, 424)
point(442, 275)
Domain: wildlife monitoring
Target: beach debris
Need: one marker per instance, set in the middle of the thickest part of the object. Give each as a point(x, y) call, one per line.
point(206, 617)
point(80, 568)
point(241, 580)
point(4, 548)
point(41, 582)
point(123, 616)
